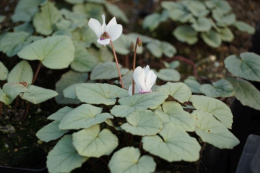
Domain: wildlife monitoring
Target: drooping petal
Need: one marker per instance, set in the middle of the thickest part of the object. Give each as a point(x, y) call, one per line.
point(130, 90)
point(112, 22)
point(95, 26)
point(103, 42)
point(150, 80)
point(115, 31)
point(138, 76)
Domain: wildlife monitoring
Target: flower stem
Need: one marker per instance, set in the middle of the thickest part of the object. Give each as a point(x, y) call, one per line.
point(134, 61)
point(117, 65)
point(37, 72)
point(181, 58)
point(34, 79)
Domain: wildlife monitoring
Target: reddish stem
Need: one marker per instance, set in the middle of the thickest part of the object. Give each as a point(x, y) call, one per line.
point(117, 65)
point(181, 58)
point(134, 61)
point(37, 72)
point(34, 79)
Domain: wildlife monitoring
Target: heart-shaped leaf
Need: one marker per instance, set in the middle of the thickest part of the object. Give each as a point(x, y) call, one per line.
point(107, 70)
point(67, 80)
point(220, 88)
point(3, 71)
point(44, 21)
point(175, 114)
point(12, 42)
point(175, 144)
point(202, 24)
point(212, 131)
point(128, 160)
point(193, 84)
point(245, 92)
point(60, 113)
point(64, 157)
point(138, 102)
point(25, 10)
point(186, 33)
point(246, 65)
point(93, 143)
point(178, 91)
point(99, 93)
point(22, 72)
point(168, 75)
point(36, 94)
point(212, 38)
point(54, 52)
point(142, 122)
point(242, 26)
point(50, 132)
point(83, 61)
point(213, 106)
point(84, 116)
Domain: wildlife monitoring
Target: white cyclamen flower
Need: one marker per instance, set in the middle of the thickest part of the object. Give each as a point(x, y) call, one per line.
point(144, 79)
point(106, 32)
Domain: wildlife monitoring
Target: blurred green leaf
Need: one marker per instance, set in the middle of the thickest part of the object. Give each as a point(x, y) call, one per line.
point(68, 79)
point(242, 26)
point(168, 75)
point(3, 71)
point(185, 33)
point(44, 21)
point(220, 88)
point(211, 38)
point(245, 65)
point(12, 42)
point(246, 93)
point(25, 10)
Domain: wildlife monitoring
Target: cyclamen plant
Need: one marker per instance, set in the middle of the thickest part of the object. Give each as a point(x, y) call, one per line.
point(164, 120)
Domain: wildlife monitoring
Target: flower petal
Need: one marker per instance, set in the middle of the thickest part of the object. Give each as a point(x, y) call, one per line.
point(103, 27)
point(146, 70)
point(95, 26)
point(104, 42)
point(115, 31)
point(131, 88)
point(150, 80)
point(138, 76)
point(112, 22)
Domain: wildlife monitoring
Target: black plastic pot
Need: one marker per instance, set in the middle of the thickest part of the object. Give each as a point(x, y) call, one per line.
point(4, 169)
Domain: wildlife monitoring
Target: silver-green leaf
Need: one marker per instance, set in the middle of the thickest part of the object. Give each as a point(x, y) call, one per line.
point(92, 142)
point(64, 157)
point(128, 160)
